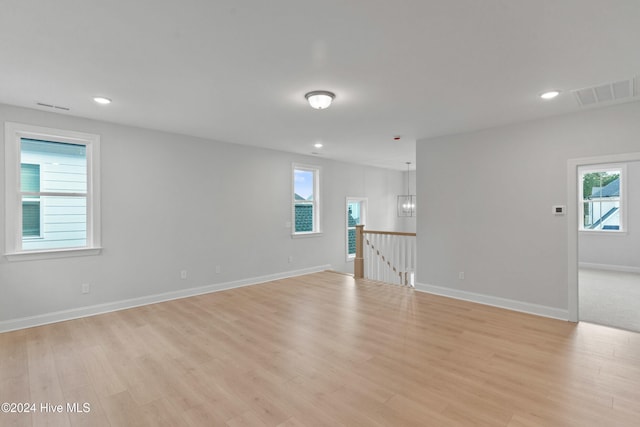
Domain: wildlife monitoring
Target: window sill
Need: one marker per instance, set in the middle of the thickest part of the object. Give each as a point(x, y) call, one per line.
point(305, 235)
point(52, 254)
point(603, 232)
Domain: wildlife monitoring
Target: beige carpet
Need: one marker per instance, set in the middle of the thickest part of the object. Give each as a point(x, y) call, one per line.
point(610, 298)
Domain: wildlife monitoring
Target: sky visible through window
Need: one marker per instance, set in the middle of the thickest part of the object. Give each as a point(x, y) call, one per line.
point(303, 183)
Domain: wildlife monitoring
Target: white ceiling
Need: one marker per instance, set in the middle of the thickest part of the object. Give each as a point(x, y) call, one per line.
point(237, 70)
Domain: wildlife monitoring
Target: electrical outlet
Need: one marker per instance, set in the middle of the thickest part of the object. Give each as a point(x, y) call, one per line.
point(85, 288)
point(461, 275)
point(183, 274)
point(290, 259)
point(218, 269)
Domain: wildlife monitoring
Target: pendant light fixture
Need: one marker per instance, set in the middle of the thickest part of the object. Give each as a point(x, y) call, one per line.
point(407, 202)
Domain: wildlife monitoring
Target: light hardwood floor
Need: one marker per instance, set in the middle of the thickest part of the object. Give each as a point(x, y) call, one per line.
point(323, 350)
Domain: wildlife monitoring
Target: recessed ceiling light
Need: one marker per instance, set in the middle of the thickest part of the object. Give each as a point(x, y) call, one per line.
point(320, 99)
point(550, 95)
point(318, 145)
point(102, 100)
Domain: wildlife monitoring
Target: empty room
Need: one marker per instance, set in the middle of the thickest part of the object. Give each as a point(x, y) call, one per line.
point(341, 213)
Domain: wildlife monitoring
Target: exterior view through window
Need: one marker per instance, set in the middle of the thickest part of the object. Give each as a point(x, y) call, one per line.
point(355, 216)
point(53, 188)
point(306, 199)
point(601, 201)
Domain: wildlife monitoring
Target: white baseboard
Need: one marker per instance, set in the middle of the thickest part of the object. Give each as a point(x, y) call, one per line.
point(75, 313)
point(524, 307)
point(609, 267)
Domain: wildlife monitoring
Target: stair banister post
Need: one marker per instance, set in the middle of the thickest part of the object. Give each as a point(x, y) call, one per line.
point(358, 264)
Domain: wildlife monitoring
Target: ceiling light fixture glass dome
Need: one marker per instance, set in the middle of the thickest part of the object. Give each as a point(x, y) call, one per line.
point(320, 99)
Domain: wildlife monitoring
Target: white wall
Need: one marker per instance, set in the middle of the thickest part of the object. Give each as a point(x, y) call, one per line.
point(617, 250)
point(485, 206)
point(172, 202)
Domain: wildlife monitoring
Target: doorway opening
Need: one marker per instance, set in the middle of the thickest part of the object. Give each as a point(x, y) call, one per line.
point(604, 240)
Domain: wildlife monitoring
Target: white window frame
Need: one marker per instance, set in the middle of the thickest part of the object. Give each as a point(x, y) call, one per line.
point(363, 207)
point(622, 169)
point(14, 132)
point(316, 203)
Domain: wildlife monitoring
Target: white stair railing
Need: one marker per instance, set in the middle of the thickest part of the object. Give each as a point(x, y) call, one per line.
point(385, 256)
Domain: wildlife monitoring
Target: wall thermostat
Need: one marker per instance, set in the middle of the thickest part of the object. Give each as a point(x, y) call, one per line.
point(559, 210)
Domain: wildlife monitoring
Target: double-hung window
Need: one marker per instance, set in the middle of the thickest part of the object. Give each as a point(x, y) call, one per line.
point(52, 192)
point(306, 200)
point(602, 201)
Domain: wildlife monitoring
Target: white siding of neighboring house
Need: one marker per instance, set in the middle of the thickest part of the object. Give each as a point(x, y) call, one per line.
point(62, 219)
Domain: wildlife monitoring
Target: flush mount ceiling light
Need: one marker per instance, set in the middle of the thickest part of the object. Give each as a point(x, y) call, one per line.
point(317, 145)
point(550, 94)
point(320, 99)
point(102, 100)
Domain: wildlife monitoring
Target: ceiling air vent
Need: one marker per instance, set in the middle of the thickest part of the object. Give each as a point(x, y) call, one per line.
point(58, 107)
point(624, 90)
